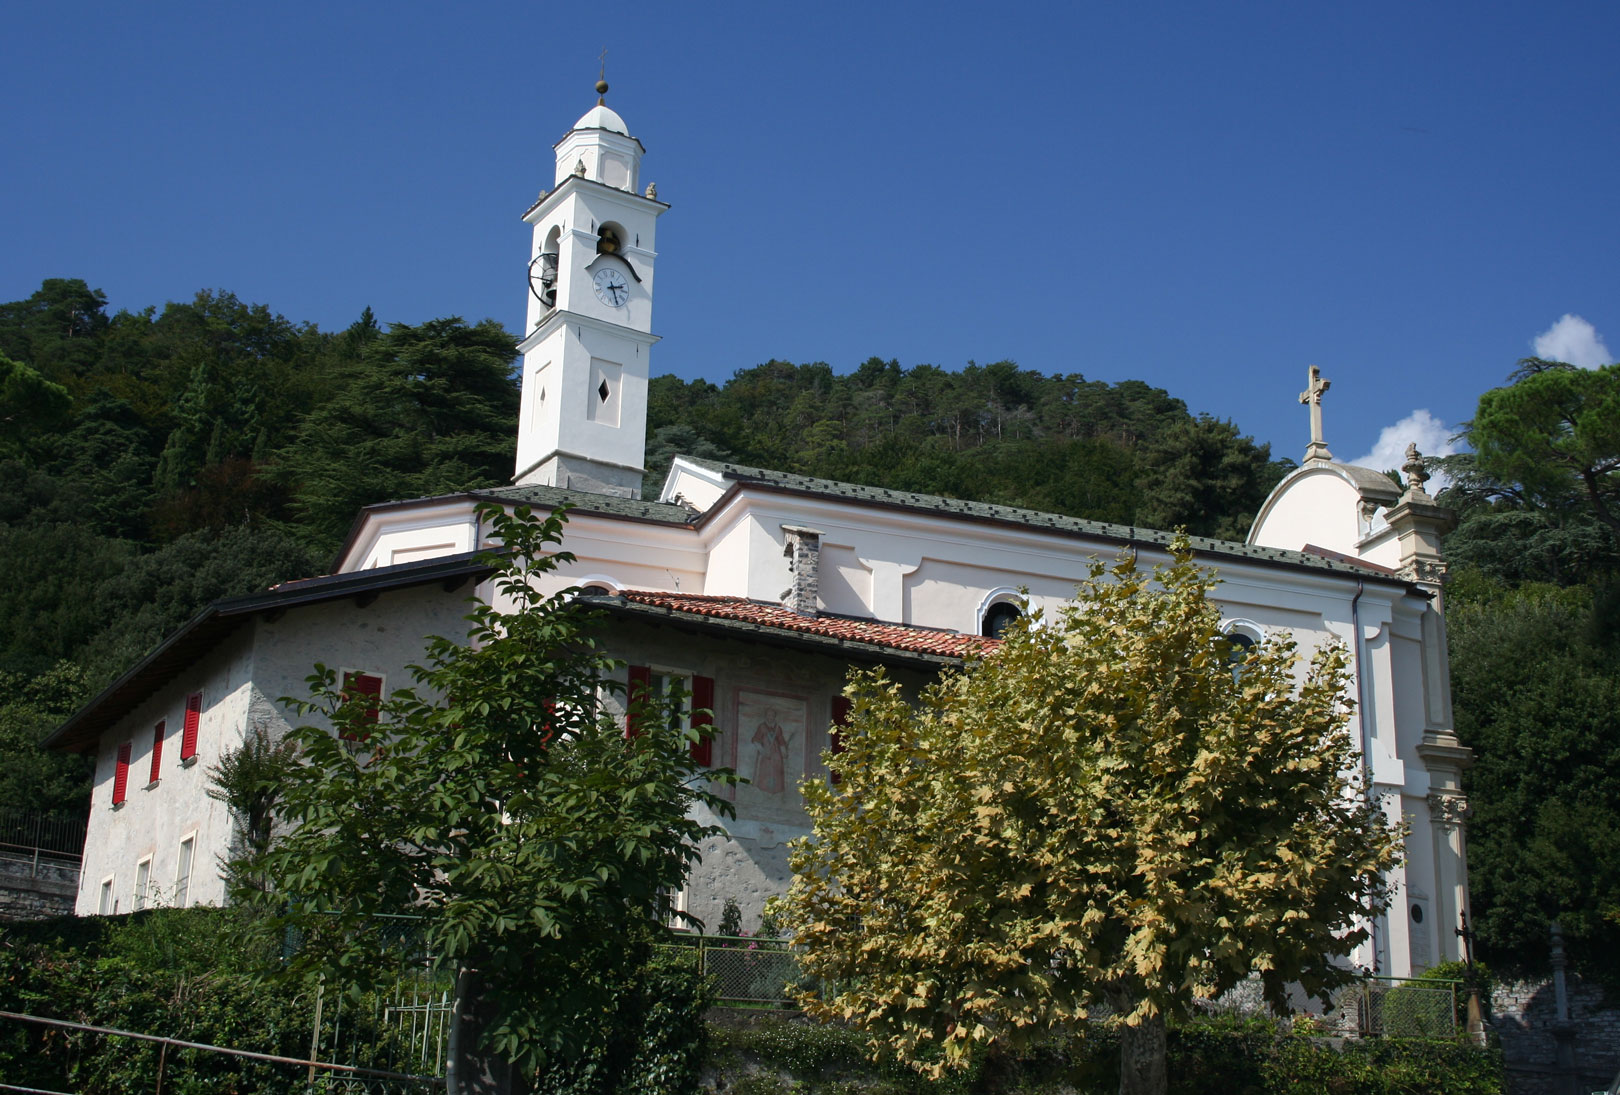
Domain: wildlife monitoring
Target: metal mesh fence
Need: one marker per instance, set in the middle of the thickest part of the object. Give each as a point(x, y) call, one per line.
point(746, 972)
point(1392, 1007)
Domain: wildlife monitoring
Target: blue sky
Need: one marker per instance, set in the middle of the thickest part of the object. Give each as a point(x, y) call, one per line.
point(1208, 198)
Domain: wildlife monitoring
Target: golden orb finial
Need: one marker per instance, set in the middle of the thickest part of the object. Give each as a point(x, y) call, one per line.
point(601, 90)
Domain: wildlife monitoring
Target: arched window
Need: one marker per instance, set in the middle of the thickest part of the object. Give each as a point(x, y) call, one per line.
point(998, 618)
point(609, 239)
point(597, 585)
point(1241, 637)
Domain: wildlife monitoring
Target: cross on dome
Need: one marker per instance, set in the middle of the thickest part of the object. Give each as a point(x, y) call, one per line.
point(1312, 397)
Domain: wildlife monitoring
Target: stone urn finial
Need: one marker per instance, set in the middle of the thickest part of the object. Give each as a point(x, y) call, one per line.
point(1416, 473)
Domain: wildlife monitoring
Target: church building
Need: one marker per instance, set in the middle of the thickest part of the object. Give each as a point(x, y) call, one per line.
point(756, 590)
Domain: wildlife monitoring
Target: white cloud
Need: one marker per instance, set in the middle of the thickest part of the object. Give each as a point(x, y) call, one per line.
point(1574, 340)
point(1430, 434)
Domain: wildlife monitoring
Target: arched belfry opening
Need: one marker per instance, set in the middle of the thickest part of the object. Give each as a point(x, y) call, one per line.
point(609, 239)
point(543, 270)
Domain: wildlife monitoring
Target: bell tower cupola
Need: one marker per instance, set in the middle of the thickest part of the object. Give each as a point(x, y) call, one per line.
point(588, 333)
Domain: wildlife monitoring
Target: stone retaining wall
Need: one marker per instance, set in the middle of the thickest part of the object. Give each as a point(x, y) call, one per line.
point(34, 892)
point(1524, 1017)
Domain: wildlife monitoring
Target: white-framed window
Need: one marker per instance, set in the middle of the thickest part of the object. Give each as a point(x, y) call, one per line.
point(1244, 634)
point(182, 869)
point(143, 884)
point(999, 610)
point(107, 904)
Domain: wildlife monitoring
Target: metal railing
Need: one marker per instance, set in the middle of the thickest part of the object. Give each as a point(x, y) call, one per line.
point(328, 1075)
point(55, 840)
point(56, 835)
point(403, 1028)
point(52, 841)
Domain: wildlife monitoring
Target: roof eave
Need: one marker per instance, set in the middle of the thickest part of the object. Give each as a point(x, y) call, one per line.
point(846, 649)
point(219, 620)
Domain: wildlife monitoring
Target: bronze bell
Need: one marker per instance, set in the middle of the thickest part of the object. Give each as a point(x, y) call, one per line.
point(607, 243)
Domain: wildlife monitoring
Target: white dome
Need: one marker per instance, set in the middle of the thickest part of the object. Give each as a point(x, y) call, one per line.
point(602, 117)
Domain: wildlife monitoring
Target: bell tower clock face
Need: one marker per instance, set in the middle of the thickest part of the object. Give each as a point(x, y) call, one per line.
point(611, 288)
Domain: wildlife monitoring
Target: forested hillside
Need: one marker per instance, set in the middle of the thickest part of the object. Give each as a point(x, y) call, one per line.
point(1123, 452)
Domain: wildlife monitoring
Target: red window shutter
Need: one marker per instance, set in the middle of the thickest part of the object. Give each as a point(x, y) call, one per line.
point(362, 684)
point(157, 752)
point(121, 774)
point(639, 692)
point(703, 719)
point(188, 733)
point(841, 708)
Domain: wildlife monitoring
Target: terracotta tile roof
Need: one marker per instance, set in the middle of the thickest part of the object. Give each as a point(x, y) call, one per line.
point(916, 640)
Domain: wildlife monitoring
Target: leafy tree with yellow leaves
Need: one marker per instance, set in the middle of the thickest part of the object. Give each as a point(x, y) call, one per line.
point(1103, 818)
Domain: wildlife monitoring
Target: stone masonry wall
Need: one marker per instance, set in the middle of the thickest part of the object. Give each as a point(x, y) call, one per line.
point(27, 893)
point(1524, 1017)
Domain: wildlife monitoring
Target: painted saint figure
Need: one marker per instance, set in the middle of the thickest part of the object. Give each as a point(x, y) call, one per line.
point(771, 747)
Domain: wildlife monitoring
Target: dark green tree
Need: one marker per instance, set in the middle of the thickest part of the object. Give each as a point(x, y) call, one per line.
point(30, 708)
point(1203, 475)
point(156, 592)
point(28, 403)
point(1536, 687)
point(427, 410)
point(1552, 437)
point(57, 330)
point(1535, 659)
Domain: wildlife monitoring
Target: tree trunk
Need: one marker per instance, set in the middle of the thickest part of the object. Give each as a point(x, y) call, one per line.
point(1141, 1048)
point(1141, 1058)
point(470, 1068)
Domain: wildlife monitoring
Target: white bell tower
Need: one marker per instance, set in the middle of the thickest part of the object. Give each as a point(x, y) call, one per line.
point(588, 336)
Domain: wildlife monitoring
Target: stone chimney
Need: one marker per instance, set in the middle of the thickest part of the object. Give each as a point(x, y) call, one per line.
point(802, 546)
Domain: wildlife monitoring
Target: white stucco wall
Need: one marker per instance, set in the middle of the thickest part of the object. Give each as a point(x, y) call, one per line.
point(242, 683)
point(155, 817)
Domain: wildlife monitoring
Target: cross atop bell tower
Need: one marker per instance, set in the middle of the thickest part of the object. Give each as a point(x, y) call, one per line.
point(1317, 451)
point(588, 335)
